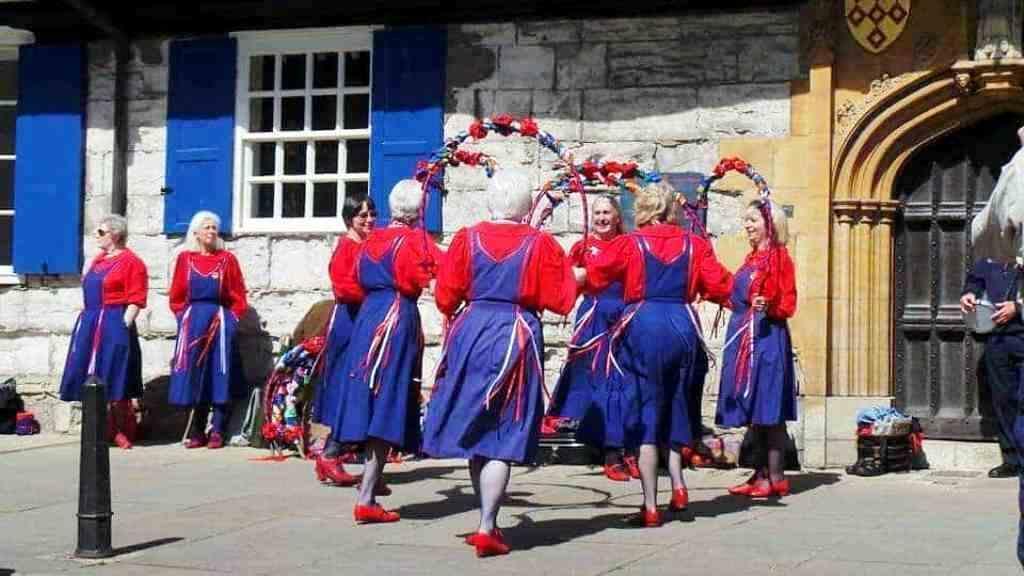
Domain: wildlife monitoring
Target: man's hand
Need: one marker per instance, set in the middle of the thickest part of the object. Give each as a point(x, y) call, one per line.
point(968, 302)
point(1005, 311)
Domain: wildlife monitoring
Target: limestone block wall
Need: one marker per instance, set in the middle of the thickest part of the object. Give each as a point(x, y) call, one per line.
point(664, 92)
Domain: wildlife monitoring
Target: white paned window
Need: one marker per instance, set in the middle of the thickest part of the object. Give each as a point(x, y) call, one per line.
point(8, 114)
point(303, 133)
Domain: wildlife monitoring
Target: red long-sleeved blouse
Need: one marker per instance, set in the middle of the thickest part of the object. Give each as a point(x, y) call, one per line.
point(344, 258)
point(415, 262)
point(775, 281)
point(547, 282)
point(580, 255)
point(128, 279)
point(623, 260)
point(232, 283)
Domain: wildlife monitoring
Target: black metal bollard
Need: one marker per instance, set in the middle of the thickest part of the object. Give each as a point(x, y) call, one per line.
point(94, 475)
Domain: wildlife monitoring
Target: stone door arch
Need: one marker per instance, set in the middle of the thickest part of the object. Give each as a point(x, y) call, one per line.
point(936, 361)
point(872, 149)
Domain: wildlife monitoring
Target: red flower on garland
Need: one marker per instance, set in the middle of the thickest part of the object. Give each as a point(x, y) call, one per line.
point(612, 167)
point(740, 165)
point(503, 120)
point(422, 170)
point(590, 170)
point(470, 158)
point(527, 127)
point(477, 130)
point(724, 166)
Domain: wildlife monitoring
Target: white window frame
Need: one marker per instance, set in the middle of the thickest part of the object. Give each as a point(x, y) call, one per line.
point(255, 43)
point(9, 52)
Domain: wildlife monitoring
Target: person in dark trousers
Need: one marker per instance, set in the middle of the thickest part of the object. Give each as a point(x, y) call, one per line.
point(998, 282)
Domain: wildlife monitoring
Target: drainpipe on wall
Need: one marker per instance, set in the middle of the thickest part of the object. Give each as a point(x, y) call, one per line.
point(119, 190)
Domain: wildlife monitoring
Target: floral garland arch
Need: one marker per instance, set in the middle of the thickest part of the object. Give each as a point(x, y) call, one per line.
point(741, 166)
point(430, 173)
point(571, 177)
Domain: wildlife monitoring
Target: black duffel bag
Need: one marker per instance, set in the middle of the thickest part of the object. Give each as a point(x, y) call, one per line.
point(10, 405)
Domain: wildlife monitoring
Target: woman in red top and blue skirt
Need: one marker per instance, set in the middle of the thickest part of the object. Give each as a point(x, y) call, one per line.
point(380, 397)
point(105, 342)
point(359, 214)
point(655, 345)
point(758, 384)
point(208, 299)
point(583, 393)
point(487, 401)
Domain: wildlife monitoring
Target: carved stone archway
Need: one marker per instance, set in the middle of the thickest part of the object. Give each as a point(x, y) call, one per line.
point(905, 114)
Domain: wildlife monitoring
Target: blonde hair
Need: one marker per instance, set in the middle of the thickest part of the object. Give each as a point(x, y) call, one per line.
point(654, 203)
point(196, 223)
point(780, 222)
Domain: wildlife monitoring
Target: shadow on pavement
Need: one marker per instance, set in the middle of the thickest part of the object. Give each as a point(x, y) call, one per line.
point(410, 475)
point(458, 498)
point(529, 533)
point(142, 546)
point(806, 482)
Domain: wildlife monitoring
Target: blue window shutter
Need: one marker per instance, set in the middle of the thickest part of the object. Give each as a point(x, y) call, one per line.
point(50, 165)
point(408, 110)
point(200, 131)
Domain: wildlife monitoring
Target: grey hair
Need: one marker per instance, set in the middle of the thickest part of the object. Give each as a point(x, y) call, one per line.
point(197, 222)
point(405, 201)
point(509, 194)
point(118, 227)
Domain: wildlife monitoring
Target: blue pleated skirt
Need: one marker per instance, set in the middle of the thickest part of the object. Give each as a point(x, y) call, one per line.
point(770, 396)
point(380, 393)
point(101, 341)
point(487, 399)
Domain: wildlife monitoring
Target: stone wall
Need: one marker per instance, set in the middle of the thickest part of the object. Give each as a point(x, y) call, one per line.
point(663, 92)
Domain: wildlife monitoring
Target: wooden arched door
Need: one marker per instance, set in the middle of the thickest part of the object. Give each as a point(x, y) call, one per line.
point(938, 374)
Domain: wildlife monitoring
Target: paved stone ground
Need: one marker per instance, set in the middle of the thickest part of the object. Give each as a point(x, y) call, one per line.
point(203, 512)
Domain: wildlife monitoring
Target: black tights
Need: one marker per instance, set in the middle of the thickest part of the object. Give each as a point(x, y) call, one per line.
point(770, 460)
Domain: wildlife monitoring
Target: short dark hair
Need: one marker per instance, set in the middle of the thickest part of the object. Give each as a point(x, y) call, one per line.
point(353, 204)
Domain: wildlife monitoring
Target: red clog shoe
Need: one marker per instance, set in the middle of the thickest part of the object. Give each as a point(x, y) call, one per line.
point(196, 442)
point(745, 488)
point(616, 472)
point(632, 466)
point(471, 539)
point(646, 518)
point(781, 488)
point(332, 471)
point(490, 544)
point(680, 500)
point(216, 441)
point(762, 489)
point(374, 514)
point(122, 441)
